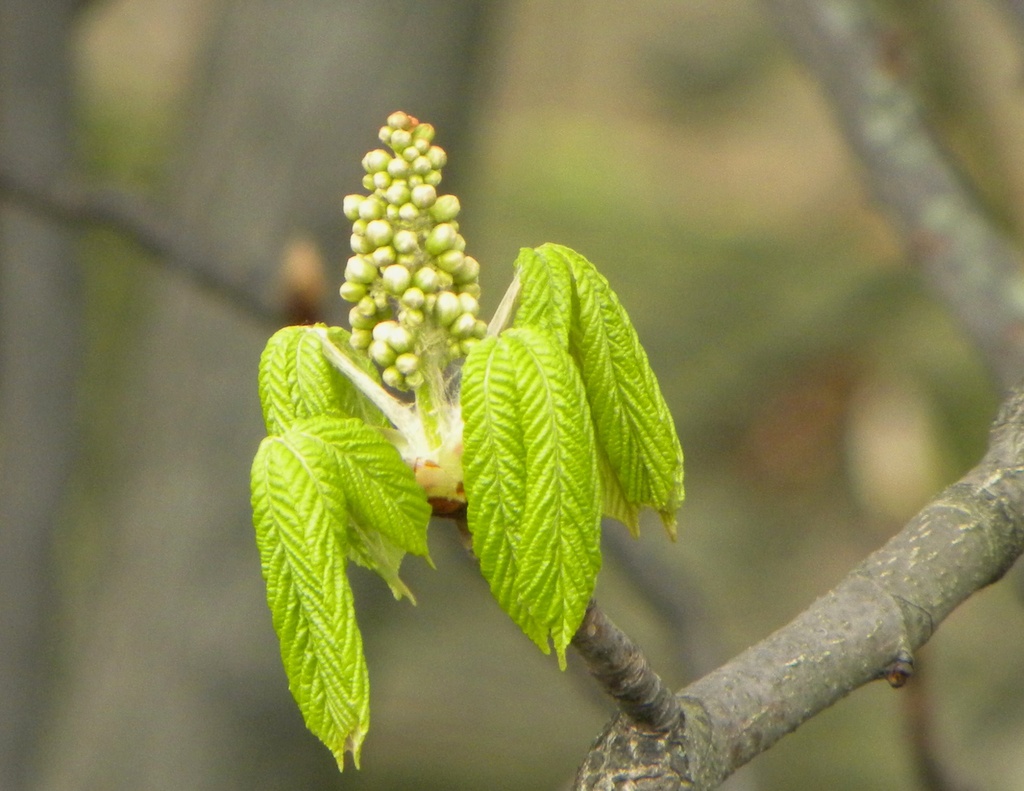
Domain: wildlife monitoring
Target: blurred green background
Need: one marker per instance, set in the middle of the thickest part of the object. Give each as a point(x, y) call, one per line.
point(821, 394)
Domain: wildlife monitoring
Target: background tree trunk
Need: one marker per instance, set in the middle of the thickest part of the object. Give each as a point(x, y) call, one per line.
point(40, 328)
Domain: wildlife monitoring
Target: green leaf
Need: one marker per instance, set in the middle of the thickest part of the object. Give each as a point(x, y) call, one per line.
point(388, 511)
point(633, 424)
point(296, 380)
point(299, 511)
point(530, 464)
point(546, 293)
point(494, 470)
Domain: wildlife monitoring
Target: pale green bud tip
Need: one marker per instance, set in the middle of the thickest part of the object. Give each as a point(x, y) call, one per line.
point(445, 209)
point(376, 161)
point(359, 270)
point(463, 326)
point(424, 196)
point(400, 139)
point(360, 339)
point(351, 291)
point(450, 260)
point(438, 158)
point(426, 280)
point(382, 353)
point(379, 232)
point(469, 304)
point(383, 330)
point(383, 256)
point(393, 378)
point(400, 120)
point(396, 279)
point(407, 363)
point(370, 209)
point(397, 194)
point(447, 308)
point(405, 242)
point(400, 339)
point(350, 206)
point(398, 169)
point(468, 271)
point(413, 298)
point(442, 237)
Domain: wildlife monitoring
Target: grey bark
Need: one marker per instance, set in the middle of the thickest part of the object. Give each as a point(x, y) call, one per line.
point(972, 266)
point(40, 324)
point(866, 628)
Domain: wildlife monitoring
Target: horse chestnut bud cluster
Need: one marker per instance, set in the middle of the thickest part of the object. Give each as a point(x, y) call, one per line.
point(414, 289)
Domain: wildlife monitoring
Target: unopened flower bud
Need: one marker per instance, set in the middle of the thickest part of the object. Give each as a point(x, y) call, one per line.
point(433, 178)
point(383, 256)
point(415, 379)
point(396, 278)
point(445, 209)
point(469, 304)
point(408, 212)
point(473, 289)
point(368, 306)
point(447, 308)
point(368, 184)
point(383, 330)
point(359, 244)
point(400, 139)
point(397, 194)
point(412, 298)
point(438, 158)
point(381, 181)
point(399, 120)
point(463, 326)
point(405, 241)
point(360, 321)
point(425, 279)
point(411, 318)
point(421, 166)
point(400, 339)
point(393, 377)
point(468, 271)
point(480, 330)
point(371, 209)
point(360, 339)
point(399, 169)
point(449, 260)
point(442, 237)
point(407, 363)
point(359, 270)
point(350, 205)
point(423, 133)
point(382, 353)
point(351, 291)
point(410, 153)
point(424, 196)
point(376, 160)
point(379, 232)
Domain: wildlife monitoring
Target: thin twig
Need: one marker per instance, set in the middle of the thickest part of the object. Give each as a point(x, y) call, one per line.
point(623, 671)
point(144, 223)
point(972, 265)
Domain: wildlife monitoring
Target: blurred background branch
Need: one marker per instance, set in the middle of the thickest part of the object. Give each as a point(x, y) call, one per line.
point(969, 261)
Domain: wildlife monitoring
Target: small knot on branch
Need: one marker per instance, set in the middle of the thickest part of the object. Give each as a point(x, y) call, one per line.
point(899, 671)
